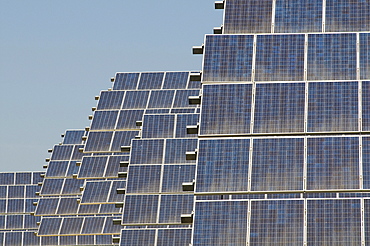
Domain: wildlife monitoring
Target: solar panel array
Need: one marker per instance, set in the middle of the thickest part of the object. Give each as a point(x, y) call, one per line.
point(275, 150)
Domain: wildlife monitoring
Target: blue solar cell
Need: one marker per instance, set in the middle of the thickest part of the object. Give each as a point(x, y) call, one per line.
point(73, 137)
point(7, 178)
point(17, 191)
point(176, 80)
point(52, 186)
point(333, 163)
point(173, 206)
point(113, 166)
point(177, 148)
point(67, 206)
point(279, 108)
point(93, 225)
point(72, 186)
point(13, 238)
point(158, 126)
point(175, 175)
point(23, 178)
point(30, 239)
point(104, 120)
point(331, 57)
point(126, 81)
point(113, 196)
point(222, 165)
point(57, 169)
point(228, 58)
point(127, 119)
point(252, 16)
point(137, 237)
point(280, 58)
point(220, 223)
point(110, 100)
point(137, 174)
point(92, 167)
point(326, 110)
point(140, 209)
point(226, 109)
point(182, 98)
point(151, 81)
point(98, 141)
point(334, 222)
point(122, 138)
point(71, 226)
point(135, 100)
point(298, 16)
point(147, 151)
point(366, 162)
point(161, 99)
point(174, 237)
point(364, 55)
point(49, 226)
point(62, 152)
point(184, 120)
point(96, 192)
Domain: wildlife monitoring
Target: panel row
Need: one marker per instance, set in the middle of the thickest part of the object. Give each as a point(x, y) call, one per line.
point(17, 206)
point(101, 167)
point(285, 16)
point(157, 80)
point(102, 192)
point(20, 178)
point(18, 191)
point(285, 108)
point(299, 57)
point(283, 164)
point(18, 222)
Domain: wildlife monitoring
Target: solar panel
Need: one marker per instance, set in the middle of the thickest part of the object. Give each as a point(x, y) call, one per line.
point(67, 206)
point(104, 120)
point(326, 110)
point(252, 16)
point(23, 178)
point(280, 58)
point(57, 169)
point(334, 222)
point(298, 16)
point(92, 166)
point(174, 237)
point(140, 209)
point(137, 237)
point(71, 226)
point(364, 56)
point(161, 99)
point(49, 226)
point(126, 81)
point(110, 100)
point(226, 109)
point(150, 173)
point(151, 80)
point(17, 191)
point(158, 126)
point(135, 100)
point(279, 108)
point(277, 222)
point(127, 119)
point(93, 225)
point(173, 206)
point(7, 178)
point(333, 163)
point(331, 57)
point(220, 223)
point(222, 165)
point(221, 61)
point(62, 152)
point(73, 136)
point(147, 151)
point(175, 80)
point(96, 192)
point(182, 98)
point(176, 149)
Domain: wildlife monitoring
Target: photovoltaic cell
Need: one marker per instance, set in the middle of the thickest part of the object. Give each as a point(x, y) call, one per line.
point(23, 178)
point(366, 162)
point(49, 226)
point(176, 149)
point(30, 239)
point(127, 119)
point(14, 222)
point(62, 152)
point(73, 137)
point(161, 99)
point(184, 120)
point(151, 81)
point(140, 209)
point(137, 237)
point(104, 120)
point(13, 238)
point(220, 223)
point(226, 109)
point(98, 141)
point(364, 55)
point(332, 106)
point(16, 191)
point(147, 151)
point(72, 186)
point(122, 138)
point(67, 206)
point(15, 206)
point(93, 225)
point(96, 192)
point(57, 169)
point(92, 167)
point(182, 98)
point(344, 16)
point(157, 111)
point(175, 175)
point(194, 85)
point(113, 166)
point(110, 227)
point(223, 165)
point(292, 16)
point(135, 100)
point(7, 178)
point(331, 57)
point(252, 16)
point(280, 58)
point(174, 237)
point(277, 222)
point(176, 80)
point(158, 126)
point(228, 58)
point(110, 100)
point(332, 163)
point(77, 155)
point(71, 226)
point(144, 179)
point(172, 206)
point(333, 222)
point(279, 108)
point(52, 187)
point(366, 106)
point(113, 196)
point(126, 81)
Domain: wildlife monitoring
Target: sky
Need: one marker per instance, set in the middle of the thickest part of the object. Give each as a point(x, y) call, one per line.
point(56, 56)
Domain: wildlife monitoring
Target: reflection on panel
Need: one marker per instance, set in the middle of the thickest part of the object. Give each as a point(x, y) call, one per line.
point(151, 81)
point(226, 109)
point(104, 120)
point(144, 179)
point(277, 164)
point(252, 16)
point(280, 58)
point(333, 163)
point(176, 150)
point(331, 57)
point(298, 16)
point(228, 58)
point(332, 106)
point(344, 16)
point(334, 222)
point(175, 175)
point(110, 100)
point(279, 108)
point(277, 222)
point(173, 206)
point(138, 237)
point(176, 80)
point(223, 165)
point(158, 126)
point(140, 209)
point(126, 81)
point(147, 151)
point(220, 223)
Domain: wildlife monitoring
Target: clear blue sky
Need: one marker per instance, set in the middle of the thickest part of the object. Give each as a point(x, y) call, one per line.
point(55, 56)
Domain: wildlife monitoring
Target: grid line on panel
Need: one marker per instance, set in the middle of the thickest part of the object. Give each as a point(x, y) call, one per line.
point(151, 80)
point(126, 81)
point(175, 80)
point(110, 100)
point(136, 100)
